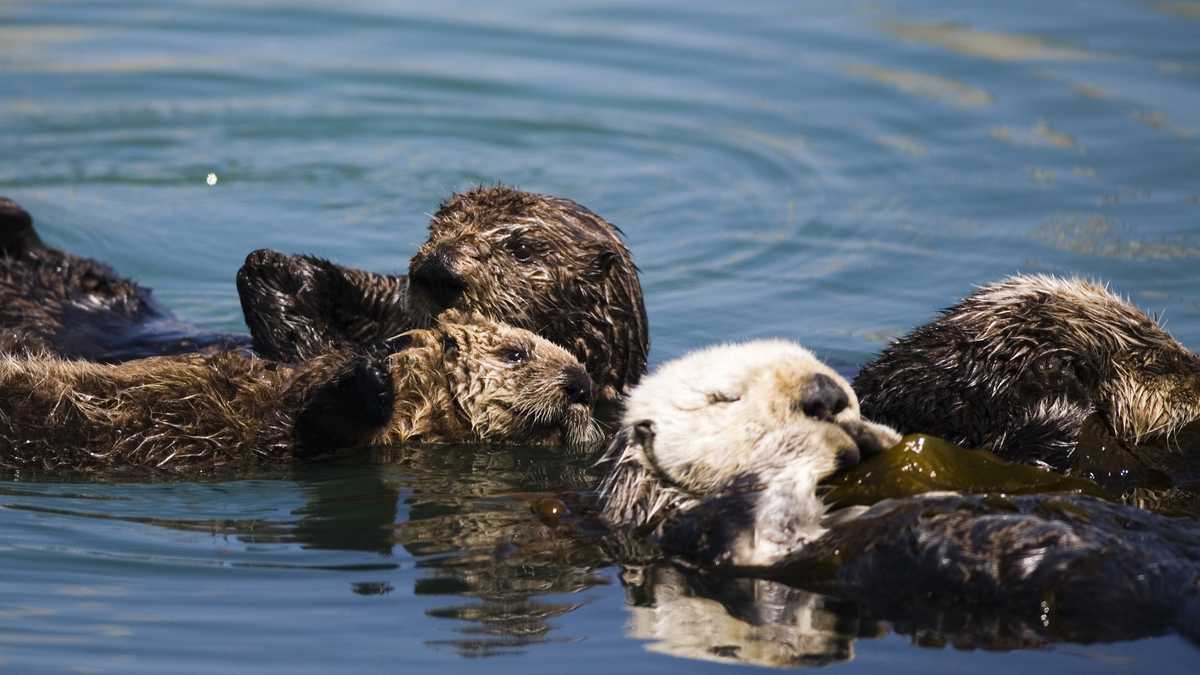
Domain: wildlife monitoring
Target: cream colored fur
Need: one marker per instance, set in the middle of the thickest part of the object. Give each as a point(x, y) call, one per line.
point(730, 420)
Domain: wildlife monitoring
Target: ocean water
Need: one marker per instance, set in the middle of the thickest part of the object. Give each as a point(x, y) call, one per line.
point(832, 172)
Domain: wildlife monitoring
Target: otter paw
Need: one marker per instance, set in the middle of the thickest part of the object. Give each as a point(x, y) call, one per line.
point(374, 394)
point(346, 411)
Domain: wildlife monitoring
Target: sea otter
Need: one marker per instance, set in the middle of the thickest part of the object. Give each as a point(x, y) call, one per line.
point(466, 379)
point(76, 307)
point(534, 261)
point(719, 464)
point(1034, 367)
point(741, 433)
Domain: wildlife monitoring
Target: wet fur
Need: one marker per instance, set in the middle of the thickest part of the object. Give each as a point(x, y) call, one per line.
point(1077, 568)
point(1060, 567)
point(451, 383)
point(1016, 368)
point(719, 460)
point(534, 261)
point(76, 307)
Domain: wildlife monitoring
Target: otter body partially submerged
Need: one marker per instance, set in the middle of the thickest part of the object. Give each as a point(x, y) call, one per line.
point(534, 261)
point(724, 447)
point(1068, 567)
point(743, 497)
point(1021, 366)
point(76, 307)
point(464, 380)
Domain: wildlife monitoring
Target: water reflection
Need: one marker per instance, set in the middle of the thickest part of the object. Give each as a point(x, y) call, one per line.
point(1097, 235)
point(992, 45)
point(942, 89)
point(480, 535)
point(502, 543)
point(350, 509)
point(756, 621)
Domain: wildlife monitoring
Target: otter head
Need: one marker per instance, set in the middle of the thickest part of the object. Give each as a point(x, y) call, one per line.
point(1044, 338)
point(724, 447)
point(513, 386)
point(541, 263)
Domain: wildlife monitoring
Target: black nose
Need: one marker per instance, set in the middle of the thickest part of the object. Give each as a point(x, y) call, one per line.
point(848, 459)
point(822, 398)
point(434, 279)
point(579, 387)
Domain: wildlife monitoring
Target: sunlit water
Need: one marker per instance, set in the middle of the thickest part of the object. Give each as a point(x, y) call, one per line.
point(832, 172)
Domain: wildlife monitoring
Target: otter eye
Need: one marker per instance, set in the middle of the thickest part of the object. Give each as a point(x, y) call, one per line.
point(514, 355)
point(521, 249)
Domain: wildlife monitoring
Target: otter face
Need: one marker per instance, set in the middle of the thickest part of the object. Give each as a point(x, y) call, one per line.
point(541, 263)
point(512, 385)
point(713, 407)
point(724, 448)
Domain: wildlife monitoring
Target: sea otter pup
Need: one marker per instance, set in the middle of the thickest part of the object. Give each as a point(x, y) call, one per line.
point(467, 379)
point(534, 261)
point(736, 437)
point(1024, 366)
point(719, 467)
point(76, 307)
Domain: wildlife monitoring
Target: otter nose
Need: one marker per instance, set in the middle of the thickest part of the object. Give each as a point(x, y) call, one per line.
point(434, 279)
point(822, 398)
point(848, 458)
point(579, 387)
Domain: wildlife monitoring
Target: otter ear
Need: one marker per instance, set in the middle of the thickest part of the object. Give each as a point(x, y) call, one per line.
point(603, 263)
point(449, 347)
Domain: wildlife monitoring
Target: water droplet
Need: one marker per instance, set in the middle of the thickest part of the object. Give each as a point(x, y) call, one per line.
point(211, 180)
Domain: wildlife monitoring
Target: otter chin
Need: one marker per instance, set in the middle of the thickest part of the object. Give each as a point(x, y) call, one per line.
point(538, 262)
point(723, 449)
point(1020, 366)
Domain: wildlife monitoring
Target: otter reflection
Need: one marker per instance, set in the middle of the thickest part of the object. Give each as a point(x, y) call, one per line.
point(692, 615)
point(484, 527)
point(489, 532)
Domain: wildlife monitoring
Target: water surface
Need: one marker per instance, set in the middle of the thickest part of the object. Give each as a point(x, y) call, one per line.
point(828, 171)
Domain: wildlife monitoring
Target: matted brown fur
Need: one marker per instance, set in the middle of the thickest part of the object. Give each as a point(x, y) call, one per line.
point(465, 380)
point(534, 261)
point(1019, 366)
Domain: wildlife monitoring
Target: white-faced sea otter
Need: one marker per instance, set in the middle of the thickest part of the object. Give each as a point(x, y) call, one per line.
point(719, 466)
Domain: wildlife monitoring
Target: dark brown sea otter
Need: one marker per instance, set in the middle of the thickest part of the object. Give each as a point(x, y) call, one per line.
point(76, 307)
point(1034, 368)
point(534, 261)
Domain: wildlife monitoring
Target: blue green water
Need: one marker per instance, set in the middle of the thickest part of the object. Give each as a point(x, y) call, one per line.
point(828, 171)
